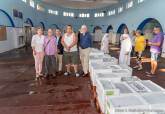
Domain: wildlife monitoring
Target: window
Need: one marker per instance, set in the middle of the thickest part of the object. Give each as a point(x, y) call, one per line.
point(54, 12)
point(40, 7)
point(140, 1)
point(120, 9)
point(112, 12)
point(129, 4)
point(68, 14)
point(32, 4)
point(24, 1)
point(99, 14)
point(84, 15)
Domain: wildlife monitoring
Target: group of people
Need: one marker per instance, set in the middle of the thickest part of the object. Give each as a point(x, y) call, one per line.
point(136, 43)
point(52, 51)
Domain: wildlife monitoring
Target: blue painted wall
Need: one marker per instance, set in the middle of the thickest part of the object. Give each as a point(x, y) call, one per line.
point(131, 17)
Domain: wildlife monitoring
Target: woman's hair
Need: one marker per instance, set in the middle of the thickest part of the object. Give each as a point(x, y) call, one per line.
point(39, 28)
point(126, 30)
point(139, 31)
point(50, 29)
point(69, 26)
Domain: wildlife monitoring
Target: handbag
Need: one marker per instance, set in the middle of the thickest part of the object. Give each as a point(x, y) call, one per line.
point(46, 45)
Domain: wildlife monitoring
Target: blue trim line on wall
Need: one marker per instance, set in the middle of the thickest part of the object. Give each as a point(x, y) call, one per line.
point(121, 27)
point(29, 21)
point(141, 26)
point(9, 17)
point(95, 28)
point(109, 28)
point(43, 25)
point(54, 25)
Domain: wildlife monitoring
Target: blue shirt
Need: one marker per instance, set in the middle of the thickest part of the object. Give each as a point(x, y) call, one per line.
point(85, 40)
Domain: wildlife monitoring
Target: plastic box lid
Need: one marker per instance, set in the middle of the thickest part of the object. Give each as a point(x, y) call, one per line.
point(152, 86)
point(154, 98)
point(130, 79)
point(126, 101)
point(123, 88)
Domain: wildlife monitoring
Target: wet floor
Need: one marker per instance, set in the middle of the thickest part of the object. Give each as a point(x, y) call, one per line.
point(20, 94)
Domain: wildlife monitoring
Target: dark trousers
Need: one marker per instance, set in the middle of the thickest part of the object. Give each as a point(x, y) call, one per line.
point(50, 64)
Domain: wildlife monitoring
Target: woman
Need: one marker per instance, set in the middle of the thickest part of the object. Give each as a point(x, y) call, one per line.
point(140, 45)
point(69, 41)
point(126, 47)
point(105, 43)
point(50, 49)
point(37, 45)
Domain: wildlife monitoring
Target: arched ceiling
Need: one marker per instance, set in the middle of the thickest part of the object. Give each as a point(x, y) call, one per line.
point(82, 4)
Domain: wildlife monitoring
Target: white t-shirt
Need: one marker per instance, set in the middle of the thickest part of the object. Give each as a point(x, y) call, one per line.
point(38, 43)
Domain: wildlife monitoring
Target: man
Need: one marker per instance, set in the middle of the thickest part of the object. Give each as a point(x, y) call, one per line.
point(60, 49)
point(69, 41)
point(85, 48)
point(155, 49)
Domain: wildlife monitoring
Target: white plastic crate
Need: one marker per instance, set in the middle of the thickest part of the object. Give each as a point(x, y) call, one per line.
point(111, 60)
point(96, 52)
point(122, 71)
point(126, 67)
point(152, 86)
point(156, 102)
point(101, 68)
point(99, 59)
point(130, 79)
point(145, 86)
point(106, 88)
point(115, 77)
point(126, 104)
point(138, 87)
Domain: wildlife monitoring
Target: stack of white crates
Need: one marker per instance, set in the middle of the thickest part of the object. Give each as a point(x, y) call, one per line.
point(118, 92)
point(101, 68)
point(108, 69)
point(105, 88)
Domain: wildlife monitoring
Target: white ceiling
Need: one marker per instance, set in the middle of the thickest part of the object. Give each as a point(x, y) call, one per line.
point(82, 4)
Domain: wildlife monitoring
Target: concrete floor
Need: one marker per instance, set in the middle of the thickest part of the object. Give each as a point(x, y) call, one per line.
point(20, 94)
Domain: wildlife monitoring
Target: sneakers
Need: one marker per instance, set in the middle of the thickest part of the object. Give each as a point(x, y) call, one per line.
point(150, 75)
point(77, 74)
point(140, 68)
point(137, 66)
point(66, 74)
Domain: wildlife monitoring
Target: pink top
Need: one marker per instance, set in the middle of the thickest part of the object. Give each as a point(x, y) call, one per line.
point(50, 46)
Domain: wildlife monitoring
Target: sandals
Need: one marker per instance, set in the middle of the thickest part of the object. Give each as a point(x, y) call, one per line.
point(37, 77)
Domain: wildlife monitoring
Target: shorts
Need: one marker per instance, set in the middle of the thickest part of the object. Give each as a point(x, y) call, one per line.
point(154, 56)
point(71, 58)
